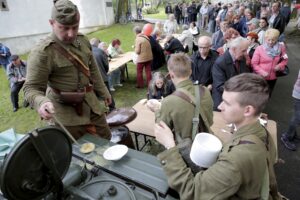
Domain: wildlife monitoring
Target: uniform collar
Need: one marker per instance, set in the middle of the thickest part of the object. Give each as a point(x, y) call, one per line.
point(184, 83)
point(250, 129)
point(76, 43)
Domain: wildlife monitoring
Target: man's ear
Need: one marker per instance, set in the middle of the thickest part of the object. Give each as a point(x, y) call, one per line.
point(51, 22)
point(249, 111)
point(171, 74)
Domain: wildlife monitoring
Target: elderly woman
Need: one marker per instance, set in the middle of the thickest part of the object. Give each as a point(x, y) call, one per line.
point(269, 58)
point(252, 37)
point(229, 35)
point(186, 38)
point(114, 79)
point(171, 26)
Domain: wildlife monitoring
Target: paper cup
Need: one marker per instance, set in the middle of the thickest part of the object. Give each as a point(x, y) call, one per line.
point(205, 149)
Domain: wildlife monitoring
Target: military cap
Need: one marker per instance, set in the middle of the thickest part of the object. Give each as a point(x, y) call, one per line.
point(65, 12)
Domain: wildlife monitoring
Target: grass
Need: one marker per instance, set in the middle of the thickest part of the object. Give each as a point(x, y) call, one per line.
point(25, 119)
point(160, 15)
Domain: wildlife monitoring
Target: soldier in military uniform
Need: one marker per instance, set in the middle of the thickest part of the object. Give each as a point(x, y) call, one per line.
point(50, 74)
point(178, 113)
point(244, 168)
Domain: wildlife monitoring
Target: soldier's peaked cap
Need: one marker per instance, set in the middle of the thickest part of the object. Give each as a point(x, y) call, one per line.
point(65, 12)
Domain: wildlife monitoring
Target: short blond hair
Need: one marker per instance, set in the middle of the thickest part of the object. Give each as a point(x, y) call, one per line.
point(272, 33)
point(180, 65)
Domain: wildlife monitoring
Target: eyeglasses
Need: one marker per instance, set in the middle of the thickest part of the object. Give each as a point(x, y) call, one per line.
point(203, 47)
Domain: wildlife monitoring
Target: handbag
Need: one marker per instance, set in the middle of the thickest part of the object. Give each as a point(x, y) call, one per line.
point(283, 72)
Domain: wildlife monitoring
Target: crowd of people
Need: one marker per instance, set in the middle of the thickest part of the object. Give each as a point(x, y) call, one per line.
point(233, 72)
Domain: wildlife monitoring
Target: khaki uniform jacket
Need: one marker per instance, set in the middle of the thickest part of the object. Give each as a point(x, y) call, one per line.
point(237, 174)
point(178, 113)
point(47, 67)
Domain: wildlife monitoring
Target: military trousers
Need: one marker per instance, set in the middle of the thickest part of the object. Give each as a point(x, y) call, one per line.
point(98, 126)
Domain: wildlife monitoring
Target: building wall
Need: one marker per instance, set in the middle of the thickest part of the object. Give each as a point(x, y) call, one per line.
point(27, 21)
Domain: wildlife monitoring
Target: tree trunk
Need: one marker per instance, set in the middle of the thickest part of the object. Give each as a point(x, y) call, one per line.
point(122, 8)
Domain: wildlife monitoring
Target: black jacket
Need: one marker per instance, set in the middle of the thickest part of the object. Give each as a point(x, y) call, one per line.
point(201, 69)
point(158, 54)
point(279, 23)
point(168, 9)
point(174, 46)
point(222, 70)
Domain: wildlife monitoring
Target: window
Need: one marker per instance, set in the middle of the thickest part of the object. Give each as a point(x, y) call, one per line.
point(3, 5)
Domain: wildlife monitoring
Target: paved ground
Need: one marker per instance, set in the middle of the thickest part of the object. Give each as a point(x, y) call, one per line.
point(280, 109)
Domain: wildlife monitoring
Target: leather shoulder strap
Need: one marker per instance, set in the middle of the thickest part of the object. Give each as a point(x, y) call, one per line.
point(73, 59)
point(183, 96)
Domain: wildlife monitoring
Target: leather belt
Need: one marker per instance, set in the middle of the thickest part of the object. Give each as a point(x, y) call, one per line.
point(88, 88)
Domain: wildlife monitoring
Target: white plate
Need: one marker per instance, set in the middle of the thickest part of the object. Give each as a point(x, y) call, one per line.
point(115, 152)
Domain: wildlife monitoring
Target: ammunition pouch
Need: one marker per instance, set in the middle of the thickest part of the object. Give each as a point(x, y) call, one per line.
point(72, 98)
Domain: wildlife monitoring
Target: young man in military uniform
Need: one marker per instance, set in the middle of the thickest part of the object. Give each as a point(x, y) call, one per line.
point(244, 168)
point(178, 113)
point(51, 72)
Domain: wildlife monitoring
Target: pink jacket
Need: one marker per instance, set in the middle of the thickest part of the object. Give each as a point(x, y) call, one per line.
point(262, 62)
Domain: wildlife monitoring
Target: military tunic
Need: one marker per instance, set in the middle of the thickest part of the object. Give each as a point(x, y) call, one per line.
point(178, 113)
point(237, 174)
point(48, 68)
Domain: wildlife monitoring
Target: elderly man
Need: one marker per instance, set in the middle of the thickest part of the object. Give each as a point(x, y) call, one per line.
point(16, 72)
point(171, 26)
point(173, 45)
point(144, 55)
point(186, 38)
point(231, 63)
point(253, 25)
point(202, 62)
point(244, 168)
point(63, 79)
point(217, 37)
point(101, 58)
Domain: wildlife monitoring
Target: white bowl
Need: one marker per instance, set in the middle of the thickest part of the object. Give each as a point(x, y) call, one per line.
point(115, 152)
point(205, 149)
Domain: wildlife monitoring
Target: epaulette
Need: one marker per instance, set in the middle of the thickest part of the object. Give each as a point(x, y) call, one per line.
point(44, 43)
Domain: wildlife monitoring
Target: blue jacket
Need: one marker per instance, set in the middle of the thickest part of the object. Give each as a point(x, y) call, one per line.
point(4, 60)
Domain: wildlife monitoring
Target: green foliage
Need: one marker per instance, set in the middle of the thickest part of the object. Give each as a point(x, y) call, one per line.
point(26, 119)
point(160, 15)
point(151, 10)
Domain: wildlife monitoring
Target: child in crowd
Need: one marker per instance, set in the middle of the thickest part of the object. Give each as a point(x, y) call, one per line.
point(158, 86)
point(114, 79)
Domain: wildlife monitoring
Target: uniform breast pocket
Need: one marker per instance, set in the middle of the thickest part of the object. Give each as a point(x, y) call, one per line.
point(65, 67)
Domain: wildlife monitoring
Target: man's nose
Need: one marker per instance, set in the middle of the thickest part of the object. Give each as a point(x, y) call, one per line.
point(71, 33)
point(220, 106)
